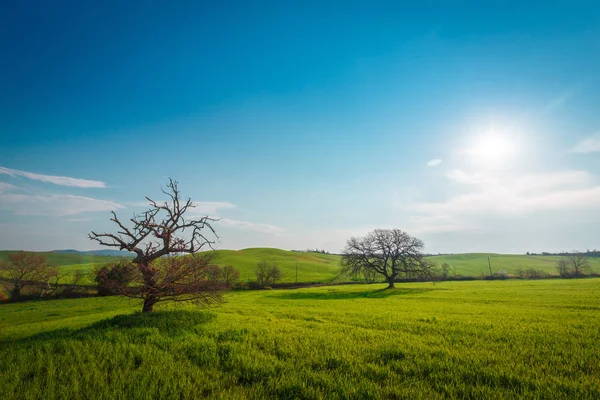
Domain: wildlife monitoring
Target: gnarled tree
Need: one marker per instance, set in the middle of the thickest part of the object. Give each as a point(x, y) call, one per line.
point(161, 231)
point(388, 252)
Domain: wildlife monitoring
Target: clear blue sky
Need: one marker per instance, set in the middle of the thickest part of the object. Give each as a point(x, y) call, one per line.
point(475, 127)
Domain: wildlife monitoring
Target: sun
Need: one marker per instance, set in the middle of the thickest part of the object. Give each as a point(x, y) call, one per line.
point(492, 148)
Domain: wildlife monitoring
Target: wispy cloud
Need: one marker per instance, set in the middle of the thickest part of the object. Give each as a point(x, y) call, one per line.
point(5, 186)
point(211, 207)
point(434, 163)
point(200, 209)
point(54, 204)
point(588, 145)
point(253, 226)
point(56, 180)
point(493, 195)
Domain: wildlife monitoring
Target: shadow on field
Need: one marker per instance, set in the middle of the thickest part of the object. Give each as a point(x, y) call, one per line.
point(338, 295)
point(172, 322)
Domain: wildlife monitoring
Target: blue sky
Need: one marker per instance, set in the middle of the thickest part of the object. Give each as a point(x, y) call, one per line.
point(474, 127)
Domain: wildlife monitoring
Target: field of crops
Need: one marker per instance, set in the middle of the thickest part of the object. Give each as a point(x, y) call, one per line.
point(480, 339)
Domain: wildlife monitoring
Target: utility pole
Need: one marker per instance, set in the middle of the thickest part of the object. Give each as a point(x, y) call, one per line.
point(490, 265)
point(296, 271)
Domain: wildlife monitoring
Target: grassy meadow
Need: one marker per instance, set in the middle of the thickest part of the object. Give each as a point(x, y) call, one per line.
point(317, 267)
point(478, 339)
point(475, 264)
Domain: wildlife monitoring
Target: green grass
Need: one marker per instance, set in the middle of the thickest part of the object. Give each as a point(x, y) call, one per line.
point(312, 267)
point(480, 339)
point(475, 264)
point(317, 267)
point(57, 259)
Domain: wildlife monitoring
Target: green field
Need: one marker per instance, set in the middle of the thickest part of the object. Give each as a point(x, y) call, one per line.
point(475, 264)
point(317, 267)
point(479, 339)
point(58, 259)
point(312, 267)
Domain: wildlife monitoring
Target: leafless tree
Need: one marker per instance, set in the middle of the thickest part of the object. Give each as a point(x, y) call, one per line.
point(388, 252)
point(25, 269)
point(562, 266)
point(445, 270)
point(578, 263)
point(230, 274)
point(163, 230)
point(267, 273)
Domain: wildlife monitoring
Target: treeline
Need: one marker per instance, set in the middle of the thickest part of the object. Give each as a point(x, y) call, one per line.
point(588, 253)
point(321, 251)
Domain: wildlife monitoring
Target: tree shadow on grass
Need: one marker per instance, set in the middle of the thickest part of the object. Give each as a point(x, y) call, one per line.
point(339, 295)
point(167, 322)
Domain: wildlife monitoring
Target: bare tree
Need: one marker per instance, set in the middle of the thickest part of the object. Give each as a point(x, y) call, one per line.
point(388, 252)
point(562, 266)
point(578, 263)
point(25, 269)
point(267, 273)
point(163, 230)
point(230, 274)
point(445, 270)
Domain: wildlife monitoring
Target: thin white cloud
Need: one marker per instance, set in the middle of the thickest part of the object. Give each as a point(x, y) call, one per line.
point(211, 207)
point(5, 186)
point(434, 163)
point(54, 204)
point(253, 226)
point(589, 145)
point(200, 209)
point(56, 180)
point(496, 195)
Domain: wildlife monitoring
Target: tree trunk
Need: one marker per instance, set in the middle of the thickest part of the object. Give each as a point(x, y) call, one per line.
point(149, 303)
point(391, 283)
point(15, 293)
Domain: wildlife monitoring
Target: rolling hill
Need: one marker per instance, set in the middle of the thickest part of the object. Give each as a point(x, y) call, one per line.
point(318, 267)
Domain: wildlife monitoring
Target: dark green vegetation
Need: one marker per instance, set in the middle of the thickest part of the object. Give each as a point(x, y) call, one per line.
point(480, 339)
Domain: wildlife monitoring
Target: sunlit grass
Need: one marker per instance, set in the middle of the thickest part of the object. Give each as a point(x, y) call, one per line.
point(511, 339)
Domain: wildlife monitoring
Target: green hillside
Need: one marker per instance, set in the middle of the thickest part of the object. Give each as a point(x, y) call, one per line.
point(317, 267)
point(58, 259)
point(312, 267)
point(70, 263)
point(475, 264)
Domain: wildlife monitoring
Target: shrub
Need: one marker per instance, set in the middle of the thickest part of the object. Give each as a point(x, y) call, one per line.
point(112, 278)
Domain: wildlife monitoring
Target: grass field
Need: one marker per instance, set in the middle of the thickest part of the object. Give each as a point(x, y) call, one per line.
point(475, 264)
point(317, 267)
point(480, 339)
point(58, 259)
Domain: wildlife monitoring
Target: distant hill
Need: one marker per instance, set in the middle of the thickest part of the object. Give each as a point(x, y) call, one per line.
point(475, 264)
point(111, 253)
point(60, 259)
point(314, 266)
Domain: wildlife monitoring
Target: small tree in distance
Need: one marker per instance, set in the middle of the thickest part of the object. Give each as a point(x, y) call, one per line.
point(230, 274)
point(578, 263)
point(160, 231)
point(267, 273)
point(562, 266)
point(25, 269)
point(388, 252)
